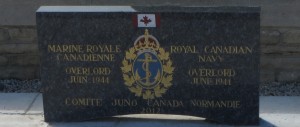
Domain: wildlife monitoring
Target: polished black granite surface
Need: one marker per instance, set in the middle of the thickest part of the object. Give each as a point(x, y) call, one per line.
point(200, 61)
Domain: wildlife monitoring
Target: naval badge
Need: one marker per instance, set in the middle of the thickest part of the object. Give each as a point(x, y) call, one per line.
point(147, 68)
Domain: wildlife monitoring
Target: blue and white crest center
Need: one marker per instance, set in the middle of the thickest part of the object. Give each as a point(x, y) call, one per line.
point(147, 69)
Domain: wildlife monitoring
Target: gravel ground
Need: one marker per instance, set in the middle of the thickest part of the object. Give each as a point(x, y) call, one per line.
point(280, 89)
point(18, 86)
point(266, 89)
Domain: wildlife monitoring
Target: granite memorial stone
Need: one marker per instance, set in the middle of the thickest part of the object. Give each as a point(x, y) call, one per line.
point(102, 61)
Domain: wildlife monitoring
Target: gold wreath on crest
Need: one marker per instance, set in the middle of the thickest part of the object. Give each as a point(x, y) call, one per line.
point(147, 42)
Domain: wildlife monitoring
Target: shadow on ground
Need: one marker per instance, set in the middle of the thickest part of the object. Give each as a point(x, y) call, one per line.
point(150, 122)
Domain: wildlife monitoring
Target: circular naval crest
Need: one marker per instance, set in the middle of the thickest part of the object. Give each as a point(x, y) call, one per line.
point(147, 68)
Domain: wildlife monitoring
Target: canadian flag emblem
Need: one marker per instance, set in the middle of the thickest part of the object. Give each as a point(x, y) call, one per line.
point(146, 20)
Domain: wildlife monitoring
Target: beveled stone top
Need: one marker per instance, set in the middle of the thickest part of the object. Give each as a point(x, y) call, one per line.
point(226, 9)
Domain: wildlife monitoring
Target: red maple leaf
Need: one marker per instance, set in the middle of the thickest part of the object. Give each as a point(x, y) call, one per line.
point(145, 20)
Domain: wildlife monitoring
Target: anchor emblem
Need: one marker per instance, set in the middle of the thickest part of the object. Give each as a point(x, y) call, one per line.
point(146, 81)
point(147, 68)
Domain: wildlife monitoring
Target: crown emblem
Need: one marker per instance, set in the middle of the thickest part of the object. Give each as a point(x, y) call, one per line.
point(147, 68)
point(146, 41)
